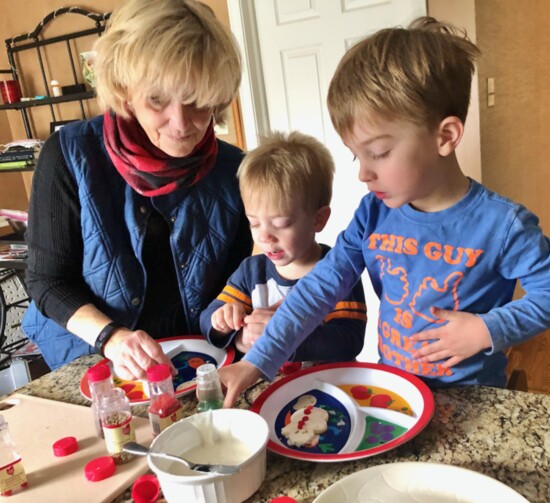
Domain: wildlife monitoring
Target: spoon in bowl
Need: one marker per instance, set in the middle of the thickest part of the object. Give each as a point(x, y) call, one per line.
point(141, 450)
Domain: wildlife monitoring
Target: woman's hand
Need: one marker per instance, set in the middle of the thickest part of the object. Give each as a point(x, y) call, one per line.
point(133, 352)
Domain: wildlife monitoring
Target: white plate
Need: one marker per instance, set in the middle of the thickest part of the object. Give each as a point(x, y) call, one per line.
point(412, 482)
point(186, 353)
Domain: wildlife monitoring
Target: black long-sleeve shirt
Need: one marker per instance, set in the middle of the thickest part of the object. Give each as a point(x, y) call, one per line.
point(54, 237)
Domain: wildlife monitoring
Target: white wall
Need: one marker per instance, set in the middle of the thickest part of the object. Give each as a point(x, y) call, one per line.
point(461, 13)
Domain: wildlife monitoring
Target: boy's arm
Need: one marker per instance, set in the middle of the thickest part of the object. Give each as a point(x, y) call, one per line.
point(340, 337)
point(525, 256)
point(234, 291)
point(306, 305)
point(313, 297)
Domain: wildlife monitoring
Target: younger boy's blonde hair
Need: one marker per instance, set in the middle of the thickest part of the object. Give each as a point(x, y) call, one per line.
point(165, 46)
point(286, 167)
point(420, 74)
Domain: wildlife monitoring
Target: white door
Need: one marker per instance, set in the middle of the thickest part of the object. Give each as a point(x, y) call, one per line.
point(291, 50)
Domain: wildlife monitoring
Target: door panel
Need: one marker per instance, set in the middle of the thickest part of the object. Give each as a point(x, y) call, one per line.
point(301, 43)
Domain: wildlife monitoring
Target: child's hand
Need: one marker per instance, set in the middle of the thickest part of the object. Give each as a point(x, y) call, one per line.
point(236, 378)
point(243, 342)
point(255, 323)
point(228, 318)
point(463, 336)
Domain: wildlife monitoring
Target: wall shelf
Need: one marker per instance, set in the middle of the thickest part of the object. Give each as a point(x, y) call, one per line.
point(35, 41)
point(48, 101)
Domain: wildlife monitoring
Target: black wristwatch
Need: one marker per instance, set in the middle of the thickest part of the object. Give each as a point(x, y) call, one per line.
point(104, 336)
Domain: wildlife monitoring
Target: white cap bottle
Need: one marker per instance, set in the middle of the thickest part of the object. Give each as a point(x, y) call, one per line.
point(56, 88)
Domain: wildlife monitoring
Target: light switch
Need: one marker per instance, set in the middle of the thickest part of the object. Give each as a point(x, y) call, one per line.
point(490, 100)
point(490, 85)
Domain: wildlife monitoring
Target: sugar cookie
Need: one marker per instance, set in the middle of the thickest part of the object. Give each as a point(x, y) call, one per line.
point(306, 424)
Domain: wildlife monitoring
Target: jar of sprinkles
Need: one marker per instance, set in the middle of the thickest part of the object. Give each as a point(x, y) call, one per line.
point(116, 421)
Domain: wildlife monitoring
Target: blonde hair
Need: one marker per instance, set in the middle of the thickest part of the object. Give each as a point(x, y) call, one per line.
point(420, 74)
point(163, 46)
point(286, 167)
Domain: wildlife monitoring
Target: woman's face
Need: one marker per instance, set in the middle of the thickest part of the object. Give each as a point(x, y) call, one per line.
point(173, 127)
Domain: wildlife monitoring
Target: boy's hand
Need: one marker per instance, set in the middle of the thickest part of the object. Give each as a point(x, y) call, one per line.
point(254, 326)
point(463, 336)
point(228, 318)
point(236, 378)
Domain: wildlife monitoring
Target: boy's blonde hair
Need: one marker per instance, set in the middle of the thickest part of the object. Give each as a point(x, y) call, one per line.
point(164, 46)
point(286, 167)
point(421, 74)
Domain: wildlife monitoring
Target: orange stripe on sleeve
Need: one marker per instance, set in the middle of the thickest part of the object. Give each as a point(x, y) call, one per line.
point(353, 315)
point(237, 294)
point(357, 306)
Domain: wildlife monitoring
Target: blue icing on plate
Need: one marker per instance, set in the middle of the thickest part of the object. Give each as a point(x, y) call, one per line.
point(187, 363)
point(338, 427)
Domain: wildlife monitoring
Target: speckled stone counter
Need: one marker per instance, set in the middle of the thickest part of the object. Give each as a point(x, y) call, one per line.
point(501, 433)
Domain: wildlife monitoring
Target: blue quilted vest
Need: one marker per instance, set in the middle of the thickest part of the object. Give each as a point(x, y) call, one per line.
point(204, 219)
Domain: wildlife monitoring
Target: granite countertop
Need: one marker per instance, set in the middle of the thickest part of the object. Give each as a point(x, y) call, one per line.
point(504, 434)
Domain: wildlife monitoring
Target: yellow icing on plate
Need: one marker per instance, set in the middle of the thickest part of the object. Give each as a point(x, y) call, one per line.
point(132, 389)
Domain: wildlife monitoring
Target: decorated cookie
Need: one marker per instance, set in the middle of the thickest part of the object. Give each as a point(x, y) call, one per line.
point(306, 424)
point(304, 401)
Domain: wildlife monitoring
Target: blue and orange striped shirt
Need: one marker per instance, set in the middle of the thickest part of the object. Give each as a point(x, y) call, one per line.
point(257, 284)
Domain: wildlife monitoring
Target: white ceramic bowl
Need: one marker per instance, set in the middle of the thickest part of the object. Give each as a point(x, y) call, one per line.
point(204, 429)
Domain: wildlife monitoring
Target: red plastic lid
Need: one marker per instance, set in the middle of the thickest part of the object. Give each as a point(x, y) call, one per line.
point(99, 372)
point(100, 468)
point(146, 489)
point(283, 499)
point(158, 372)
point(65, 446)
point(289, 368)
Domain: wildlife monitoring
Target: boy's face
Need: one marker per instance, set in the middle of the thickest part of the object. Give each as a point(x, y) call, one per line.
point(285, 233)
point(399, 161)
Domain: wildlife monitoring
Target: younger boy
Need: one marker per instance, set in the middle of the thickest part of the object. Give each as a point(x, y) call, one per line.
point(286, 187)
point(443, 252)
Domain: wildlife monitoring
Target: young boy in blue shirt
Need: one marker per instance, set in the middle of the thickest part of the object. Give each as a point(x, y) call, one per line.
point(443, 252)
point(286, 187)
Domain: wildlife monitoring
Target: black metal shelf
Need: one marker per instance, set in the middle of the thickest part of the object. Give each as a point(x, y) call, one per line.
point(49, 101)
point(17, 170)
point(34, 40)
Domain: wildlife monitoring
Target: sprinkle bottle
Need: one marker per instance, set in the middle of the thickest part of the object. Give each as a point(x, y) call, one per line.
point(165, 409)
point(100, 381)
point(12, 473)
point(209, 388)
point(116, 420)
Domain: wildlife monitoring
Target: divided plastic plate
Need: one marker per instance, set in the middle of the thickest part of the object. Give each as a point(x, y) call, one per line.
point(187, 353)
point(371, 408)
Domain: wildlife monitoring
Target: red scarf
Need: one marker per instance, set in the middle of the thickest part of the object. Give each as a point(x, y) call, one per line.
point(146, 168)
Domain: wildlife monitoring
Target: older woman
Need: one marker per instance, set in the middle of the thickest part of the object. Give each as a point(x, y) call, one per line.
point(135, 219)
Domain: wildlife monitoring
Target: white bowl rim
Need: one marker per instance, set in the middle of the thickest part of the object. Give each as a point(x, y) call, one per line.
point(211, 477)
